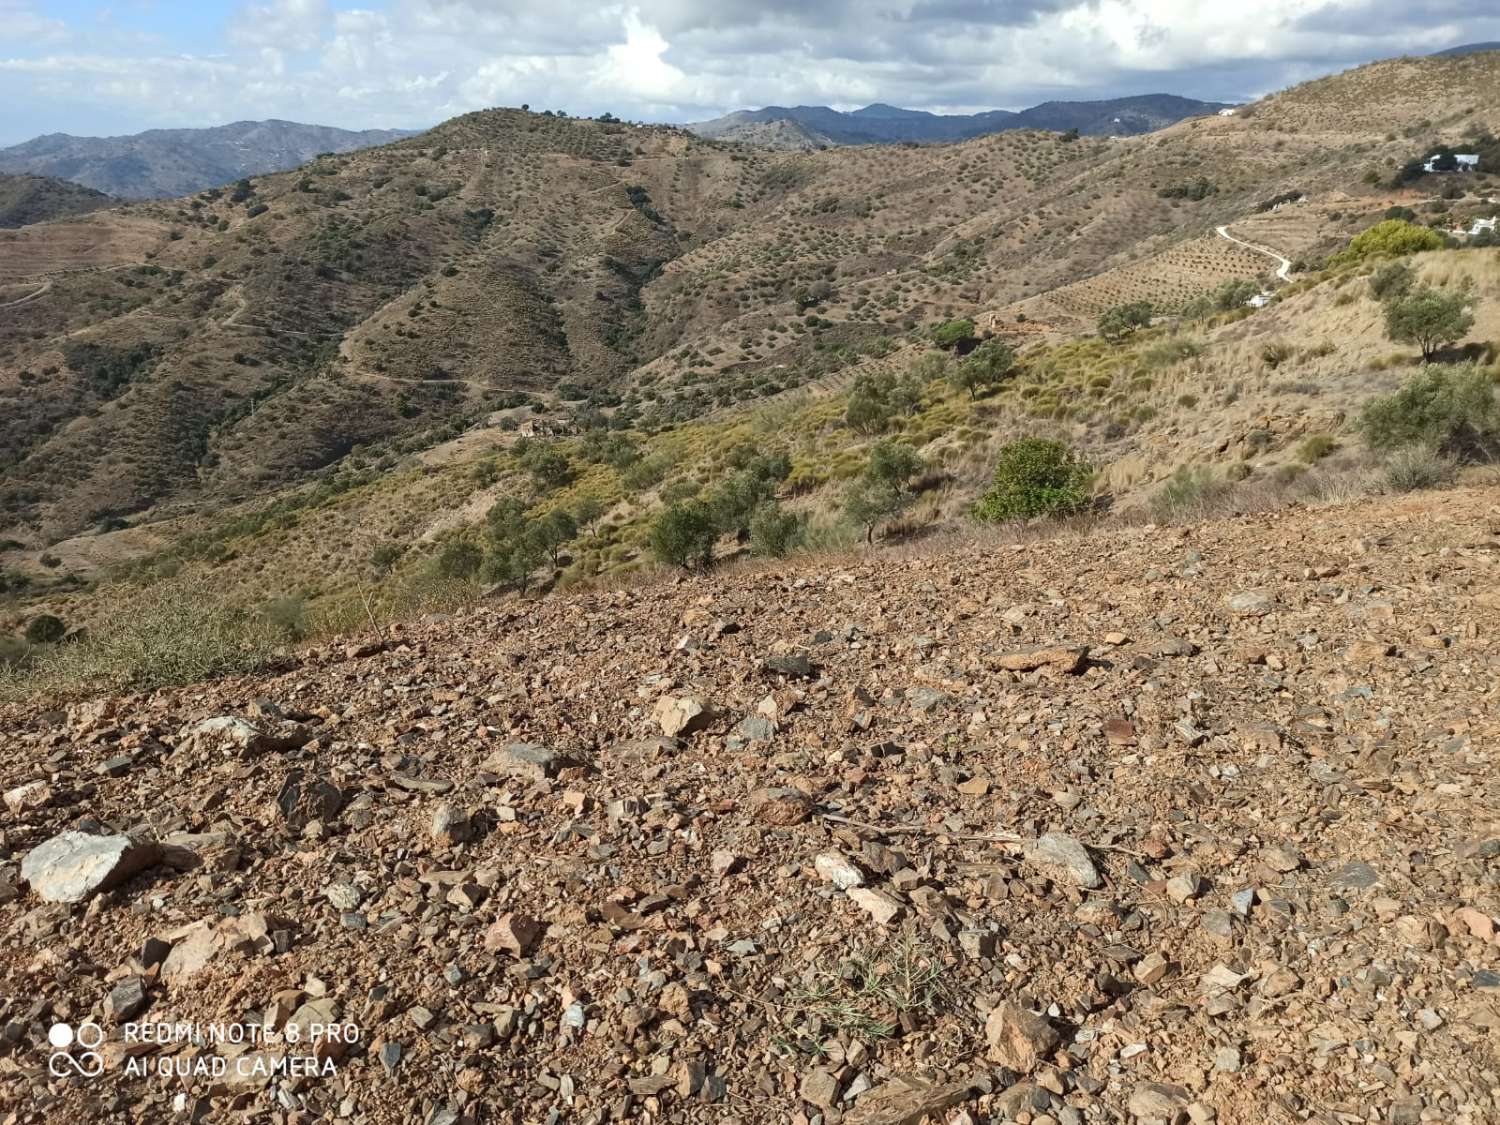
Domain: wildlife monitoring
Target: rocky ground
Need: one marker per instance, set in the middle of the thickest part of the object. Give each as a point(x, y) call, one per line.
point(1148, 825)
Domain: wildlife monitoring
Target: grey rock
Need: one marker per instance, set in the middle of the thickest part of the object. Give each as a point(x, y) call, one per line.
point(74, 865)
point(1057, 854)
point(1249, 603)
point(526, 759)
point(126, 999)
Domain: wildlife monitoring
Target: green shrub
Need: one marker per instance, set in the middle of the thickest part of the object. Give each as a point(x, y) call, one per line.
point(1449, 410)
point(1274, 353)
point(951, 333)
point(45, 629)
point(684, 534)
point(459, 559)
point(776, 532)
point(287, 616)
point(1392, 238)
point(1035, 477)
point(1316, 447)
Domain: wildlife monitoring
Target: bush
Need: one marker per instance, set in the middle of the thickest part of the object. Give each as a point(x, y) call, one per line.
point(45, 629)
point(1416, 467)
point(148, 637)
point(1035, 477)
point(1188, 492)
point(384, 557)
point(951, 333)
point(1429, 318)
point(1451, 411)
point(776, 532)
point(459, 559)
point(1316, 447)
point(1274, 353)
point(684, 534)
point(1393, 238)
point(1391, 280)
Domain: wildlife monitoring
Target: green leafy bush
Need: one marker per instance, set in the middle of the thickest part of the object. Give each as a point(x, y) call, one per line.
point(776, 532)
point(45, 629)
point(951, 333)
point(1449, 410)
point(1393, 238)
point(1035, 477)
point(684, 534)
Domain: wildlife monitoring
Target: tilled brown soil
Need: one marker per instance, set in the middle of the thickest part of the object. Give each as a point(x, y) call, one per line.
point(811, 844)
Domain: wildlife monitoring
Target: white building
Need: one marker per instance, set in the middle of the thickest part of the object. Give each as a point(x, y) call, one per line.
point(1467, 162)
point(1482, 225)
point(1227, 112)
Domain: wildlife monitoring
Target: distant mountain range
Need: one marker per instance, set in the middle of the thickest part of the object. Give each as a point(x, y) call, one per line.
point(818, 126)
point(35, 199)
point(1469, 49)
point(161, 163)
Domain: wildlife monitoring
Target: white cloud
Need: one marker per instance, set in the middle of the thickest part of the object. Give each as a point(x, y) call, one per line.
point(414, 62)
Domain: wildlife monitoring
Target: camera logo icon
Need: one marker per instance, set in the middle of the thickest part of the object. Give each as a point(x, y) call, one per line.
point(88, 1063)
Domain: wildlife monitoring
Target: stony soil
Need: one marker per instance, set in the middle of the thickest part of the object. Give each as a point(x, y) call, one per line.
point(841, 841)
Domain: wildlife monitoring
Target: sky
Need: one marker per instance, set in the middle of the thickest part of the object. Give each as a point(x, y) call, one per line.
point(90, 68)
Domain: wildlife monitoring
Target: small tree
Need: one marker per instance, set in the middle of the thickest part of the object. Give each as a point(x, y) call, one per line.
point(1117, 323)
point(881, 492)
point(1392, 280)
point(553, 531)
point(893, 464)
point(547, 466)
point(684, 534)
point(867, 412)
point(588, 511)
point(984, 367)
point(1035, 477)
point(1428, 317)
point(869, 503)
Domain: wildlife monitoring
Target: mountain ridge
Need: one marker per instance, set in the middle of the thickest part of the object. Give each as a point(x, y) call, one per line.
point(881, 123)
point(164, 163)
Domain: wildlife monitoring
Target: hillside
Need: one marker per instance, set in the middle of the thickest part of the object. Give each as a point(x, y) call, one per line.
point(803, 127)
point(310, 388)
point(161, 163)
point(38, 199)
point(1133, 826)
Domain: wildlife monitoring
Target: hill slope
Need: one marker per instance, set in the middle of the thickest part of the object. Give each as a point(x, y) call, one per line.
point(852, 883)
point(161, 163)
point(167, 364)
point(36, 199)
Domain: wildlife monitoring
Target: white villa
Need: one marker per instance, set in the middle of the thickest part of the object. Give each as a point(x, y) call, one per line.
point(1482, 225)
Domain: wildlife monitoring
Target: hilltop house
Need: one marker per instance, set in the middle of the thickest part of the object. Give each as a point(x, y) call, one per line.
point(1482, 225)
point(1464, 162)
point(1227, 112)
